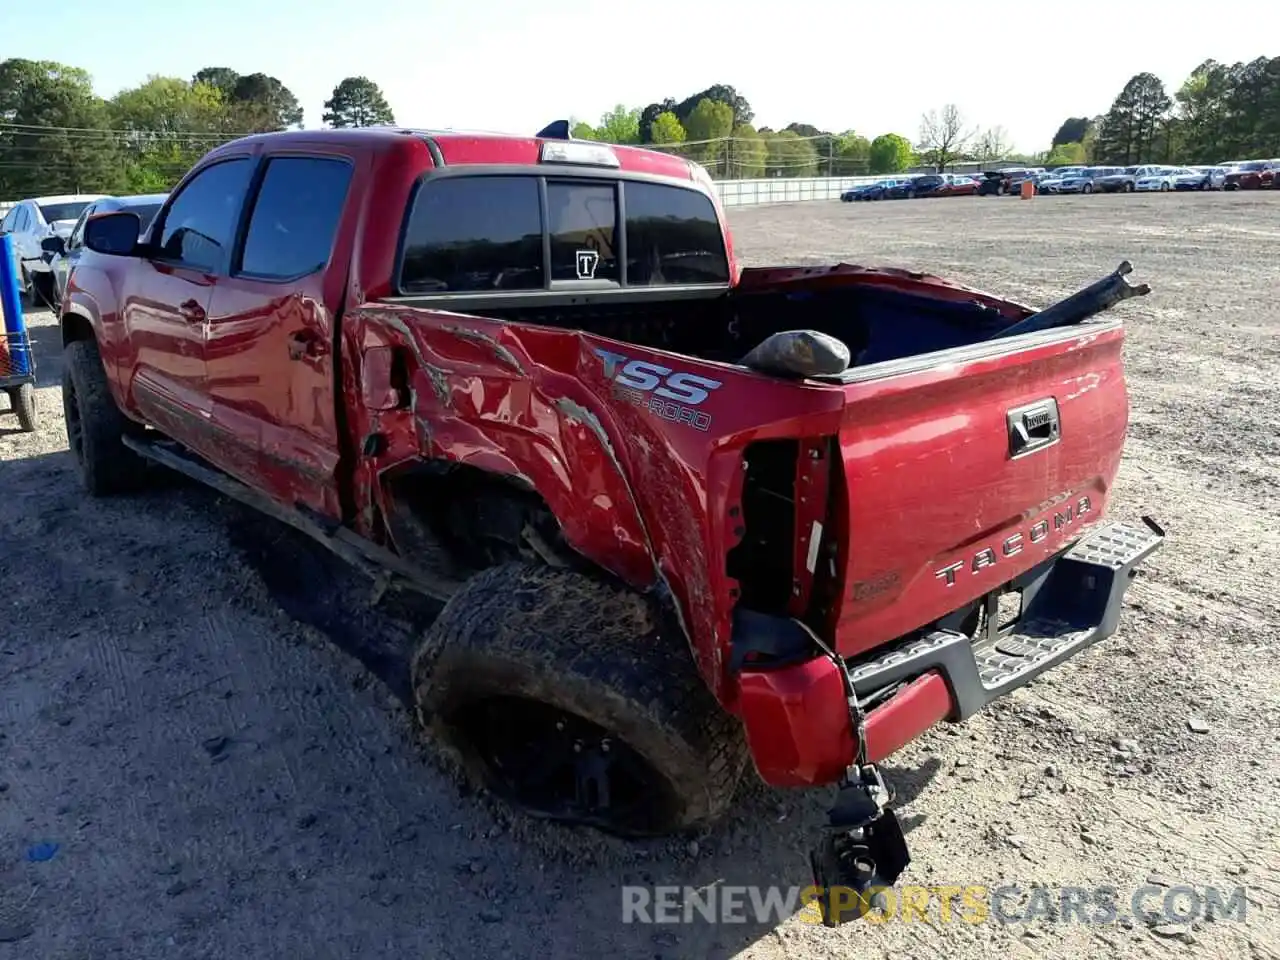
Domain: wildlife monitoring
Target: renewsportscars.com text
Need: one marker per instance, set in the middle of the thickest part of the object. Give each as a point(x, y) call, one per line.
point(971, 904)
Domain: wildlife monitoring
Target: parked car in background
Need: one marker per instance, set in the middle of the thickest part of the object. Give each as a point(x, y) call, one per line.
point(871, 191)
point(1160, 179)
point(1123, 179)
point(1052, 181)
point(63, 254)
point(993, 183)
point(902, 188)
point(32, 221)
point(1250, 175)
point(928, 185)
point(959, 185)
point(1014, 177)
point(1199, 178)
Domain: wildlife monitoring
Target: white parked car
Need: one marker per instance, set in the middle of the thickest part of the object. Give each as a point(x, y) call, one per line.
point(1164, 179)
point(32, 221)
point(1200, 178)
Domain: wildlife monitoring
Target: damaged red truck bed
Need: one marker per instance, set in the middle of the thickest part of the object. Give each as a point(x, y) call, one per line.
point(682, 513)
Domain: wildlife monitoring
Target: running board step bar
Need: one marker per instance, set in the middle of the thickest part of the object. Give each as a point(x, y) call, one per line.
point(385, 568)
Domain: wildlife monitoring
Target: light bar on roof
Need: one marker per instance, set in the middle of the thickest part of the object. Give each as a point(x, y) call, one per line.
point(579, 152)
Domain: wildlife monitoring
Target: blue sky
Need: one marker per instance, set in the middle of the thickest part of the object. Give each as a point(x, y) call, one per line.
point(516, 65)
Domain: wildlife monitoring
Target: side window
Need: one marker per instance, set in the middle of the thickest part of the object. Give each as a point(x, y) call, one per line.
point(582, 220)
point(20, 223)
point(469, 234)
point(199, 227)
point(77, 232)
point(295, 217)
point(673, 237)
point(10, 218)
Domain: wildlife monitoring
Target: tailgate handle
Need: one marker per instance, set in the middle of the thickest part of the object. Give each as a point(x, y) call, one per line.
point(1033, 427)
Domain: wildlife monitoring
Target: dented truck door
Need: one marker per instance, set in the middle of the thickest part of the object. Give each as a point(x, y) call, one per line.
point(270, 351)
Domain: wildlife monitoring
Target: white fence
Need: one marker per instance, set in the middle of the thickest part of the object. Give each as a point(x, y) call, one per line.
point(741, 193)
point(737, 193)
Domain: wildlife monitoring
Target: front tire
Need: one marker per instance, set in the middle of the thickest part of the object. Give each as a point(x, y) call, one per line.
point(576, 700)
point(95, 425)
point(1164, 188)
point(1087, 188)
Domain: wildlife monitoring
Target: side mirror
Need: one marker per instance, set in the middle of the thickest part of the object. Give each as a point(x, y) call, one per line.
point(115, 234)
point(54, 244)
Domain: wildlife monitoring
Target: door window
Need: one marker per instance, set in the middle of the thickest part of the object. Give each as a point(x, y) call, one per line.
point(77, 232)
point(199, 226)
point(295, 217)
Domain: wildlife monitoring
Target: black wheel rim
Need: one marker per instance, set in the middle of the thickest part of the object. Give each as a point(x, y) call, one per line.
point(559, 766)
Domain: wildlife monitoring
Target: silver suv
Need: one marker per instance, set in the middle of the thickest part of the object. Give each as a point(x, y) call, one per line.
point(32, 221)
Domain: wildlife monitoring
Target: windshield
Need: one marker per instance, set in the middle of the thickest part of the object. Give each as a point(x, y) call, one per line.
point(1254, 165)
point(63, 211)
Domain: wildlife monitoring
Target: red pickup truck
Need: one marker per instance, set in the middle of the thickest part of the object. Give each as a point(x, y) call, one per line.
point(680, 513)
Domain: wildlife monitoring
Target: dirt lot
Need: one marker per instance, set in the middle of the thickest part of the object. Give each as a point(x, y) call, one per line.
point(217, 744)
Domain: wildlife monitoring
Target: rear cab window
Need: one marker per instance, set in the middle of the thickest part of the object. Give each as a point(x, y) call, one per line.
point(485, 233)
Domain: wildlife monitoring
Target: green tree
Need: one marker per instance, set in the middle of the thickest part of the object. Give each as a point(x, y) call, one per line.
point(890, 153)
point(707, 125)
point(852, 154)
point(357, 102)
point(719, 93)
point(581, 130)
point(262, 103)
point(224, 78)
point(167, 125)
point(1066, 154)
point(650, 114)
point(1072, 130)
point(790, 155)
point(60, 139)
point(620, 125)
point(666, 128)
point(746, 154)
point(1130, 131)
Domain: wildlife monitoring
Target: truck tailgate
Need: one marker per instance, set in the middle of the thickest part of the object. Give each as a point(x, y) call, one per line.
point(960, 475)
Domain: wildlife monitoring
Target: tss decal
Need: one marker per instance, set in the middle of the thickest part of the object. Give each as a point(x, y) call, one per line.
point(664, 392)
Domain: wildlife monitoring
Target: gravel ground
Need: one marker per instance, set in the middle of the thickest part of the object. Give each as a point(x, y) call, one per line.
point(206, 719)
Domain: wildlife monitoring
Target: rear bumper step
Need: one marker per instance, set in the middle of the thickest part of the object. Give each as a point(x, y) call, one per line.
point(1069, 603)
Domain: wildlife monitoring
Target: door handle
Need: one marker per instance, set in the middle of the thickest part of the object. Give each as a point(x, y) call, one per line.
point(191, 311)
point(305, 343)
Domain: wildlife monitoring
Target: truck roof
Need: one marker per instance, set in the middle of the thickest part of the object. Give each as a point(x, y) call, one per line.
point(468, 147)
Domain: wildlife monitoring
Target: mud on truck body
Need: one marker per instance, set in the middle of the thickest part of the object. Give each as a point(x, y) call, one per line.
point(679, 513)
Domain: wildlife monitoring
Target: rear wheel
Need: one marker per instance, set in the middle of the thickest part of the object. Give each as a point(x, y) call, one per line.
point(22, 400)
point(95, 425)
point(576, 700)
point(1164, 187)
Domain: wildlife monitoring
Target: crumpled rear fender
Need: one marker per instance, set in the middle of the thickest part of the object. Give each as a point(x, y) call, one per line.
point(649, 499)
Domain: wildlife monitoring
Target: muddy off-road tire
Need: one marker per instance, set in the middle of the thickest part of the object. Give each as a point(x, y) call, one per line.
point(549, 686)
point(95, 424)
